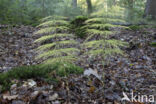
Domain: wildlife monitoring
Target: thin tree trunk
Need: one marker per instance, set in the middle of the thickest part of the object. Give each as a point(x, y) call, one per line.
point(74, 3)
point(43, 7)
point(114, 2)
point(89, 5)
point(130, 9)
point(150, 9)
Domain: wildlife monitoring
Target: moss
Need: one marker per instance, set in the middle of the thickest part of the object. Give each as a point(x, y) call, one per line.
point(67, 69)
point(38, 71)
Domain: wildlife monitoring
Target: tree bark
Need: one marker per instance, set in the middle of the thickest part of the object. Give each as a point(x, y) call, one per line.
point(74, 3)
point(150, 9)
point(130, 9)
point(89, 6)
point(114, 2)
point(43, 8)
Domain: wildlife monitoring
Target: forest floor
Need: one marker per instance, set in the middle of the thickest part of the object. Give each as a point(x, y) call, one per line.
point(16, 47)
point(134, 72)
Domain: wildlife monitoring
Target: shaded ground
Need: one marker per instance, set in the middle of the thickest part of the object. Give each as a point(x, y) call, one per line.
point(16, 47)
point(136, 71)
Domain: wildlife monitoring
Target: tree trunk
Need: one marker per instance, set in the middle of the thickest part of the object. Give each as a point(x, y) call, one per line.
point(74, 3)
point(114, 2)
point(43, 8)
point(130, 9)
point(150, 9)
point(89, 6)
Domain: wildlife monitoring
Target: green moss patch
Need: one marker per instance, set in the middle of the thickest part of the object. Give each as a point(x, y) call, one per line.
point(38, 71)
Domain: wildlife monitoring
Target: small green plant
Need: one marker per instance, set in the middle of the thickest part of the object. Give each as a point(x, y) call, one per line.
point(56, 46)
point(38, 71)
point(97, 41)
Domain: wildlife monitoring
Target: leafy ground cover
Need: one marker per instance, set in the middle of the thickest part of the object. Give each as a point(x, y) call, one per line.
point(16, 48)
point(136, 71)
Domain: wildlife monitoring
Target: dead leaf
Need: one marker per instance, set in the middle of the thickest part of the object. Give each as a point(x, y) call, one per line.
point(7, 97)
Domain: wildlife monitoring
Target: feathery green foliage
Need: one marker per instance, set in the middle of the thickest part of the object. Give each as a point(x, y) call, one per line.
point(106, 26)
point(44, 38)
point(105, 20)
point(49, 18)
point(101, 26)
point(105, 52)
point(48, 30)
point(104, 43)
point(56, 44)
point(104, 47)
point(94, 33)
point(62, 46)
point(54, 23)
point(98, 32)
point(58, 35)
point(44, 31)
point(58, 52)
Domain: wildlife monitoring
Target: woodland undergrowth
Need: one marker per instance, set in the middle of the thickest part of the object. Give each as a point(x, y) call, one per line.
point(64, 43)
